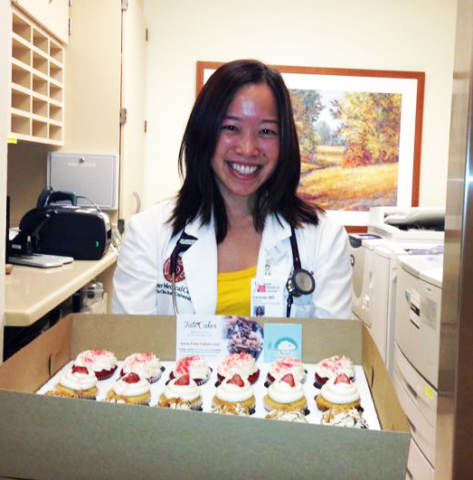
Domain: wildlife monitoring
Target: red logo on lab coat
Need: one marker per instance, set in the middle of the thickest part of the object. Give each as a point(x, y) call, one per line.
point(180, 275)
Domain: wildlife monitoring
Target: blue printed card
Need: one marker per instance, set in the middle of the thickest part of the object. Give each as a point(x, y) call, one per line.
point(282, 340)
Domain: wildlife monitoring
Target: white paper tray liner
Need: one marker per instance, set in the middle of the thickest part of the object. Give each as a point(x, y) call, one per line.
point(208, 390)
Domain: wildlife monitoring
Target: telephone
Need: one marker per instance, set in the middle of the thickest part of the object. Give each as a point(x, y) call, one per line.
point(49, 196)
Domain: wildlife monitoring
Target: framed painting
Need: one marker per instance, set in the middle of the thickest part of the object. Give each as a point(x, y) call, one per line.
point(360, 137)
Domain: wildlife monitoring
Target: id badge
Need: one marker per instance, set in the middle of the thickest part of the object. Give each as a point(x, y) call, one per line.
point(267, 297)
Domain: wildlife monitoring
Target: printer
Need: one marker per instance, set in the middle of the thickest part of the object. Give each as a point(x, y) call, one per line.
point(83, 233)
point(392, 232)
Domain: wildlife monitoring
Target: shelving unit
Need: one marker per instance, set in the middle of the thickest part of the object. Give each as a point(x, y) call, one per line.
point(37, 86)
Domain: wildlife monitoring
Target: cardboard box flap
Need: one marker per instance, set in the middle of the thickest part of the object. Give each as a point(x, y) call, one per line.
point(389, 410)
point(122, 441)
point(38, 361)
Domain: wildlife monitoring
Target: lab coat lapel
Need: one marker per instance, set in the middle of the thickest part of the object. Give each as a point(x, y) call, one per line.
point(200, 267)
point(275, 249)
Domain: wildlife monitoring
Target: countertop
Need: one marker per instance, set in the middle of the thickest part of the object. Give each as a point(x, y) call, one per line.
point(32, 292)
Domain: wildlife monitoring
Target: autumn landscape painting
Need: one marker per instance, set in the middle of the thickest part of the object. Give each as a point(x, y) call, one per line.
point(349, 146)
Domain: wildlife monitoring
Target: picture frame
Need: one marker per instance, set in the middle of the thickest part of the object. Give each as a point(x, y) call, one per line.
point(360, 133)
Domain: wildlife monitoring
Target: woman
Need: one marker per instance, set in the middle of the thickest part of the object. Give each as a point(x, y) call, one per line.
point(236, 231)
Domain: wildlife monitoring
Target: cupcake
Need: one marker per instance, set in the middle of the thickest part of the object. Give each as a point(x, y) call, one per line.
point(175, 404)
point(344, 417)
point(338, 392)
point(146, 365)
point(196, 367)
point(77, 382)
point(130, 389)
point(235, 391)
point(331, 367)
point(285, 365)
point(184, 388)
point(285, 394)
point(287, 415)
point(242, 364)
point(227, 409)
point(102, 362)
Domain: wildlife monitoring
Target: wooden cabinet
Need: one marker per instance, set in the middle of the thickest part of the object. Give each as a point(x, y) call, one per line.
point(37, 82)
point(53, 15)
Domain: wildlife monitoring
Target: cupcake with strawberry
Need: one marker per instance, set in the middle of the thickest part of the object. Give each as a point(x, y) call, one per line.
point(196, 367)
point(77, 382)
point(146, 365)
point(331, 367)
point(285, 365)
point(102, 362)
point(242, 364)
point(235, 391)
point(183, 388)
point(286, 393)
point(130, 389)
point(338, 392)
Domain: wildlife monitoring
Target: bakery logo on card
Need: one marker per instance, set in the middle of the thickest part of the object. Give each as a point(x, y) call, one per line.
point(261, 288)
point(199, 325)
point(180, 275)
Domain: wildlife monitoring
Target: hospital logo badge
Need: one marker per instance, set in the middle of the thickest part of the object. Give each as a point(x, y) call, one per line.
point(180, 275)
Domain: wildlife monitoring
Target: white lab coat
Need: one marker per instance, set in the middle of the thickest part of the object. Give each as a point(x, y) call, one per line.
point(139, 285)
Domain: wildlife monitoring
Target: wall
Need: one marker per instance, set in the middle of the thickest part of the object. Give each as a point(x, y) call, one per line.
point(413, 35)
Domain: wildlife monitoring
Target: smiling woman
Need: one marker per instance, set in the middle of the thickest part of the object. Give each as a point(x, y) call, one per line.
point(237, 234)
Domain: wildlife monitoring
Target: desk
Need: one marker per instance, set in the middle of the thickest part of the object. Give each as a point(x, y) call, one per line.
point(32, 292)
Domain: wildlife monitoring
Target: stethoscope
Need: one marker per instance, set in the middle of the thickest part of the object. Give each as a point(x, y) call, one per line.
point(300, 282)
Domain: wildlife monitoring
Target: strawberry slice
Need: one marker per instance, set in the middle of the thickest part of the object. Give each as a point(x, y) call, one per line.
point(289, 379)
point(342, 378)
point(77, 369)
point(184, 380)
point(237, 380)
point(132, 377)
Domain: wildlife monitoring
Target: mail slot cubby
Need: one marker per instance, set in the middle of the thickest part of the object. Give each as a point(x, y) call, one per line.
point(41, 41)
point(56, 52)
point(21, 52)
point(21, 101)
point(21, 27)
point(37, 92)
point(55, 112)
point(20, 76)
point(21, 125)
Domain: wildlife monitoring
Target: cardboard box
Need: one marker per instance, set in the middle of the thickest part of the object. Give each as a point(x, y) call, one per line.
point(47, 437)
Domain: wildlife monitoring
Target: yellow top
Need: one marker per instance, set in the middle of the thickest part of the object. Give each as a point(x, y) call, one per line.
point(234, 292)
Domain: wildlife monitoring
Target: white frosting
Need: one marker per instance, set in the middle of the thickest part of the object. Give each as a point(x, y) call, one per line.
point(295, 416)
point(96, 360)
point(146, 365)
point(78, 381)
point(195, 367)
point(282, 392)
point(187, 392)
point(126, 389)
point(286, 365)
point(350, 418)
point(333, 366)
point(340, 393)
point(229, 392)
point(242, 363)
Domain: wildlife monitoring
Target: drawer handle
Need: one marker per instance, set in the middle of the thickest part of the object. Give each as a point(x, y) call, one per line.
point(412, 392)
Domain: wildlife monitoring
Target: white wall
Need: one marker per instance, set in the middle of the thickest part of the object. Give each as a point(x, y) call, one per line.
point(413, 35)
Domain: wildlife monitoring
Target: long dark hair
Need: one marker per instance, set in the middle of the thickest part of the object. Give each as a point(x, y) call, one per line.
point(199, 194)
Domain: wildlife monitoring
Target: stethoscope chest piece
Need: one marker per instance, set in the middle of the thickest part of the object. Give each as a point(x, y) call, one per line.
point(301, 282)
